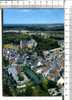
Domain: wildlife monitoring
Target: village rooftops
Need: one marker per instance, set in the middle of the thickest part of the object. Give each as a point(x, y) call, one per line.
point(14, 70)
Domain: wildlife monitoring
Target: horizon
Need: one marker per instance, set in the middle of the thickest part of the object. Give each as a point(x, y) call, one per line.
point(35, 24)
point(33, 16)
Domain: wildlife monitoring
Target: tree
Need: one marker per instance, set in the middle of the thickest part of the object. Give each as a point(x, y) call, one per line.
point(21, 78)
point(28, 91)
point(45, 84)
point(52, 84)
point(5, 61)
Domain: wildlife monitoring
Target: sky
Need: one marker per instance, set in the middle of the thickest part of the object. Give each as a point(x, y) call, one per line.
point(33, 16)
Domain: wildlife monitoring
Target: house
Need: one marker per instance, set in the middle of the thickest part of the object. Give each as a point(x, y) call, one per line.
point(20, 60)
point(45, 53)
point(60, 81)
point(39, 64)
point(28, 43)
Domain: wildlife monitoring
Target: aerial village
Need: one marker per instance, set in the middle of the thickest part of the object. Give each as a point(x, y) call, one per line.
point(33, 52)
